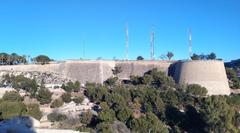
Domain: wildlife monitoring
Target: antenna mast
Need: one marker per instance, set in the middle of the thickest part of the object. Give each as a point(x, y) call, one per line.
point(152, 45)
point(126, 54)
point(190, 43)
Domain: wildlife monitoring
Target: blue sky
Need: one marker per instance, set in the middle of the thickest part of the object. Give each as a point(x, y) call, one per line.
point(62, 28)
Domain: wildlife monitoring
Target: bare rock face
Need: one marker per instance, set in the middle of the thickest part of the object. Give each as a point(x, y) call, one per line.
point(119, 127)
point(47, 77)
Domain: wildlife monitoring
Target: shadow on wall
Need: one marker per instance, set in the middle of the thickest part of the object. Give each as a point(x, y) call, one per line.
point(22, 124)
point(173, 68)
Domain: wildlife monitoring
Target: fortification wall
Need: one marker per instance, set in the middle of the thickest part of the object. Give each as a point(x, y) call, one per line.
point(93, 71)
point(138, 68)
point(210, 74)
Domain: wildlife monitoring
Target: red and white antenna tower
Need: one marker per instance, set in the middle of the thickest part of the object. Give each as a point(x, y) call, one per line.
point(190, 43)
point(126, 54)
point(152, 45)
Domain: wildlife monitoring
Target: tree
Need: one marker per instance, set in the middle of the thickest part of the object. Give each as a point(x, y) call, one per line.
point(56, 103)
point(140, 58)
point(10, 109)
point(34, 111)
point(56, 117)
point(163, 57)
point(20, 82)
point(107, 116)
point(70, 86)
point(12, 96)
point(111, 81)
point(96, 93)
point(86, 117)
point(148, 123)
point(124, 114)
point(170, 55)
point(195, 57)
point(234, 81)
point(44, 96)
point(116, 70)
point(66, 97)
point(212, 56)
point(196, 90)
point(42, 59)
point(160, 79)
point(78, 99)
point(104, 127)
point(217, 114)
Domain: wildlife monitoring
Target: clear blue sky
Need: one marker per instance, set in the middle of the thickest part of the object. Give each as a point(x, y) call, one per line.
point(59, 28)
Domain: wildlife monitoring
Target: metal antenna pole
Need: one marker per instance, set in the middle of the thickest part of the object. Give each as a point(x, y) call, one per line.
point(152, 45)
point(83, 48)
point(126, 54)
point(190, 43)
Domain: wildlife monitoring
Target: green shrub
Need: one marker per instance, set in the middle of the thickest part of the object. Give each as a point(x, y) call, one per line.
point(56, 117)
point(34, 111)
point(44, 96)
point(70, 86)
point(196, 90)
point(78, 99)
point(66, 97)
point(12, 96)
point(9, 109)
point(86, 117)
point(56, 103)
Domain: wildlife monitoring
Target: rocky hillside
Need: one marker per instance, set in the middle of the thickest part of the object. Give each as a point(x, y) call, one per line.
point(47, 77)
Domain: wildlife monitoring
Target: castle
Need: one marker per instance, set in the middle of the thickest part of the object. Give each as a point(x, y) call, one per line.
point(208, 73)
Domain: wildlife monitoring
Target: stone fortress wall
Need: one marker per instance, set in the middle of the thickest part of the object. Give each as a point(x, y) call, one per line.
point(210, 74)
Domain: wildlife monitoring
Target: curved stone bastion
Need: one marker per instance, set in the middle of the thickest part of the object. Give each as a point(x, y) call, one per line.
point(207, 73)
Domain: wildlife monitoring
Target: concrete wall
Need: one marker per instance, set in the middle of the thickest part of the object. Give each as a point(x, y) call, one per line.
point(93, 71)
point(210, 74)
point(140, 67)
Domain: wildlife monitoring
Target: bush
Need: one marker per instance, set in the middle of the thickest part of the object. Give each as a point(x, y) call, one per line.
point(196, 90)
point(12, 96)
point(56, 117)
point(111, 81)
point(78, 99)
point(70, 86)
point(66, 97)
point(21, 82)
point(44, 96)
point(10, 109)
point(86, 117)
point(56, 103)
point(34, 111)
point(43, 59)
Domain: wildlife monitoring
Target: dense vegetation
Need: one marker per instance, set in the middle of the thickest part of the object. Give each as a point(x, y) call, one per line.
point(11, 105)
point(41, 59)
point(12, 59)
point(154, 103)
point(149, 103)
point(15, 59)
point(233, 71)
point(211, 56)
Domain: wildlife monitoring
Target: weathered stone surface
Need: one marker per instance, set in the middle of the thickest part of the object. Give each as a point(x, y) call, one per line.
point(210, 74)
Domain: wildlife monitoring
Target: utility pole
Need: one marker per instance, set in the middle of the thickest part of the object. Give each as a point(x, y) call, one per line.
point(190, 43)
point(126, 43)
point(152, 45)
